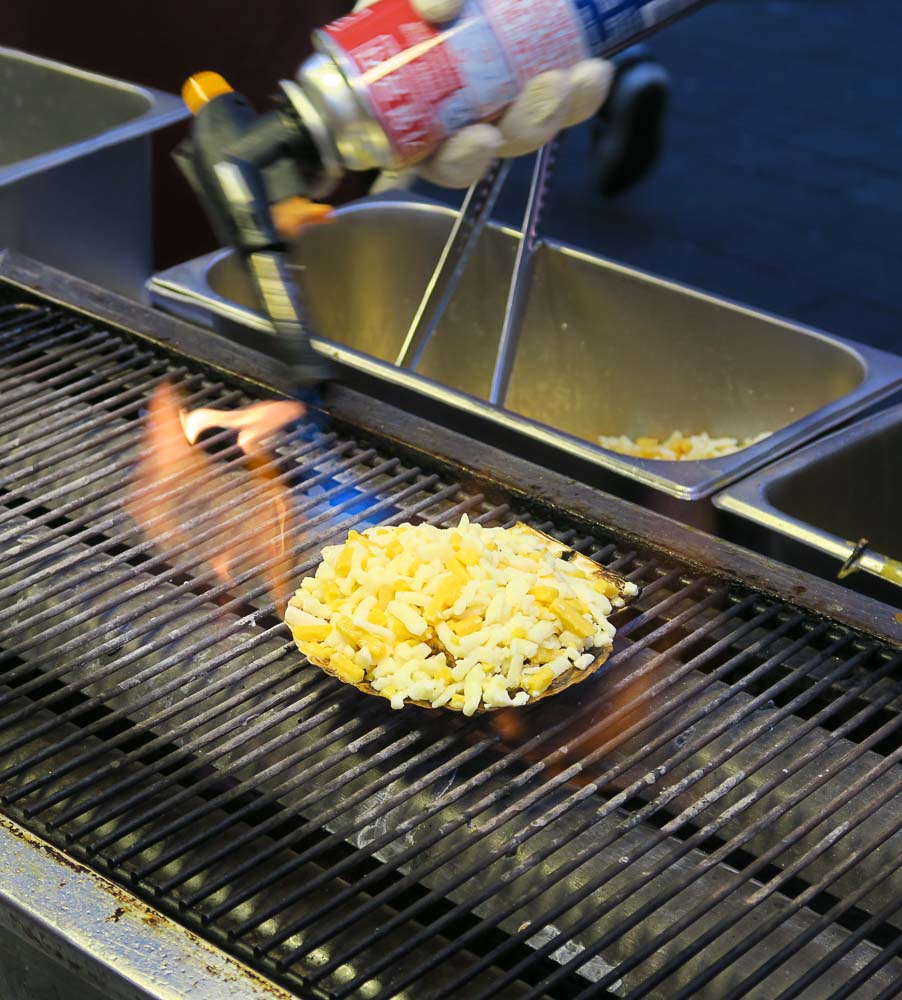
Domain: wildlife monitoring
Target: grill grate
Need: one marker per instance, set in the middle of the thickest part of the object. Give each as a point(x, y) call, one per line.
point(717, 815)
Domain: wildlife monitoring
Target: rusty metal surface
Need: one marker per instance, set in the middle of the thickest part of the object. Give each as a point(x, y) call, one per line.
point(115, 944)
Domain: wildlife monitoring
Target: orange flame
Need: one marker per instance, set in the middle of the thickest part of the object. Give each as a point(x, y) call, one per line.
point(254, 423)
point(230, 515)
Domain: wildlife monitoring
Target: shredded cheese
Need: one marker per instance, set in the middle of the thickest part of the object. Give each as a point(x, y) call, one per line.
point(679, 447)
point(467, 617)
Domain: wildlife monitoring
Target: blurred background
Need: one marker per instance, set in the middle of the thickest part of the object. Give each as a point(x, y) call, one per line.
point(779, 183)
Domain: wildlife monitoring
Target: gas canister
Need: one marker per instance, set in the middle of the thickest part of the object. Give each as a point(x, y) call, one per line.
point(388, 87)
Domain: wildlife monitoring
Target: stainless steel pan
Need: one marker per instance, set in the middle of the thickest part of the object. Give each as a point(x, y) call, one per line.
point(604, 349)
point(840, 495)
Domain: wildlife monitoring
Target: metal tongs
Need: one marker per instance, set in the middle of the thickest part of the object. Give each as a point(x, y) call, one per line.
point(468, 227)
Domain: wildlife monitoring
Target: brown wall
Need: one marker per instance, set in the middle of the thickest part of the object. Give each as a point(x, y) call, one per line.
point(253, 44)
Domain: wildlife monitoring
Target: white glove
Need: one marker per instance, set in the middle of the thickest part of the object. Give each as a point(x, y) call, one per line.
point(553, 101)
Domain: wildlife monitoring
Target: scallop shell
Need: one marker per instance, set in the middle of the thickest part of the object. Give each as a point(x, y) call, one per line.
point(566, 680)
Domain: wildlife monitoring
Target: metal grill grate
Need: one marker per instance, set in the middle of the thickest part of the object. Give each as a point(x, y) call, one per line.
point(718, 815)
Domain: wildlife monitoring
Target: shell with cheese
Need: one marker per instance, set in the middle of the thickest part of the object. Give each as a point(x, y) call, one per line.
point(468, 618)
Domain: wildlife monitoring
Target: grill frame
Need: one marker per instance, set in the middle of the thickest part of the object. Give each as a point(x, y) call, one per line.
point(512, 480)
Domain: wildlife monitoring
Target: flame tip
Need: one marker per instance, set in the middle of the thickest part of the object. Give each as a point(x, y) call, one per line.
point(175, 482)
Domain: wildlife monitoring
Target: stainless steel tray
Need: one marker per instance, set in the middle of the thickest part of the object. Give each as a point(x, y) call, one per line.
point(75, 168)
point(833, 494)
point(604, 349)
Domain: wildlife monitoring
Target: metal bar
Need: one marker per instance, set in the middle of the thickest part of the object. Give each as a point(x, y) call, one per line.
point(259, 858)
point(146, 725)
point(460, 790)
point(196, 601)
point(519, 780)
point(887, 954)
point(314, 824)
point(12, 337)
point(155, 694)
point(26, 346)
point(275, 876)
point(279, 873)
point(100, 929)
point(179, 569)
point(45, 353)
point(80, 427)
point(252, 731)
point(25, 374)
point(165, 558)
point(93, 383)
point(114, 506)
point(687, 592)
point(662, 582)
point(77, 424)
point(660, 740)
point(518, 293)
point(236, 489)
point(688, 750)
point(29, 503)
point(16, 317)
point(664, 630)
point(786, 874)
point(210, 889)
point(27, 367)
point(211, 615)
point(612, 901)
point(238, 739)
point(107, 583)
point(741, 878)
point(80, 392)
point(889, 992)
point(41, 484)
point(154, 670)
point(297, 781)
point(97, 522)
point(465, 233)
point(814, 972)
point(19, 317)
point(37, 341)
point(798, 902)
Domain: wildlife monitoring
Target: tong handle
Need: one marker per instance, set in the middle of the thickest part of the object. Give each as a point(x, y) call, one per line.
point(468, 228)
point(521, 278)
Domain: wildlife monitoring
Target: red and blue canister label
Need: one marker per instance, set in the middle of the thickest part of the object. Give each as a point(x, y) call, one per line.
point(425, 82)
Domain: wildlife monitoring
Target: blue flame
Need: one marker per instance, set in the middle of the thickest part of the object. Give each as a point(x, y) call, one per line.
point(358, 504)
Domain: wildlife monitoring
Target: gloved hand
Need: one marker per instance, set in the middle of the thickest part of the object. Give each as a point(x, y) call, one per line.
point(550, 102)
